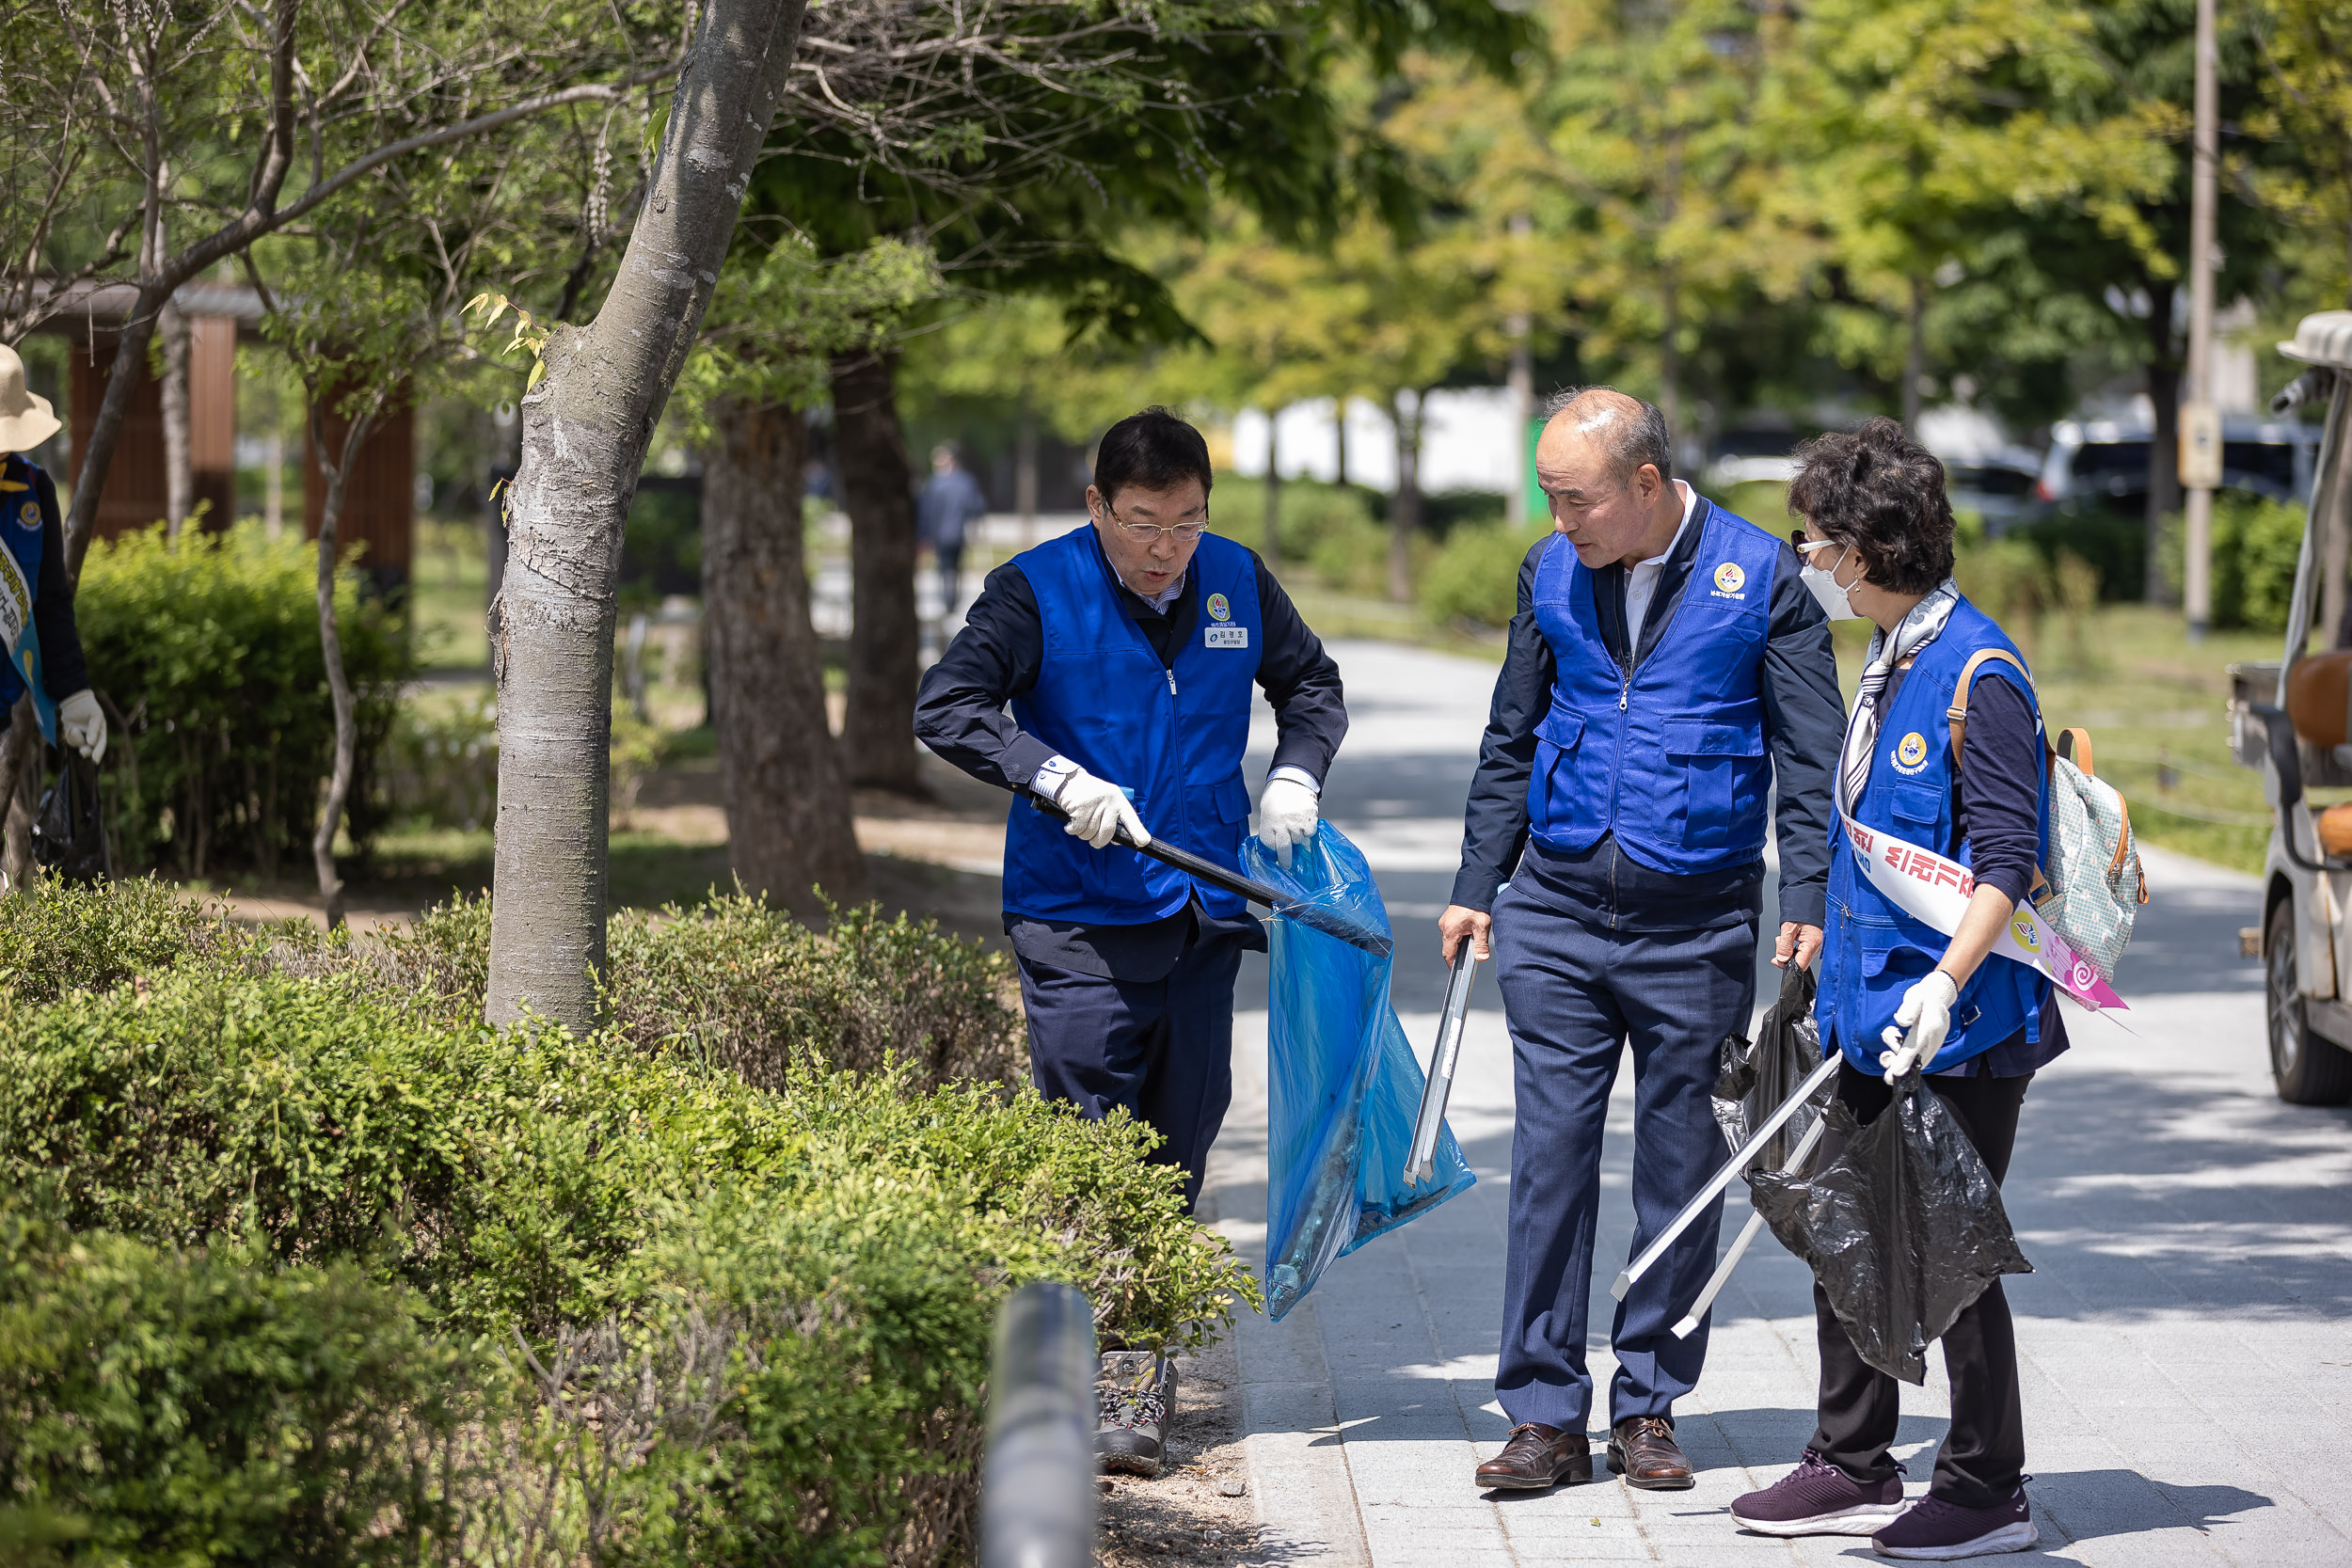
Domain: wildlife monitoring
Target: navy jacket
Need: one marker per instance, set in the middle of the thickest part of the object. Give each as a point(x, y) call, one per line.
point(1805, 720)
point(64, 669)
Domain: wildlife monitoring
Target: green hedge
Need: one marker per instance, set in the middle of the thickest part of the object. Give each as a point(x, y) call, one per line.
point(206, 653)
point(630, 1306)
point(1474, 580)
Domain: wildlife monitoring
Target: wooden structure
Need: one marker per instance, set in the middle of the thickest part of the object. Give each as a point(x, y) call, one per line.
point(379, 495)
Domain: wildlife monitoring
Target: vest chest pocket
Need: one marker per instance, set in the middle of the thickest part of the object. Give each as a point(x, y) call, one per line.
point(1557, 737)
point(1724, 775)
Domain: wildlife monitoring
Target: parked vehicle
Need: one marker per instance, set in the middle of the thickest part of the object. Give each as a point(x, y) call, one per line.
point(1998, 489)
point(1753, 454)
point(2103, 463)
point(2290, 720)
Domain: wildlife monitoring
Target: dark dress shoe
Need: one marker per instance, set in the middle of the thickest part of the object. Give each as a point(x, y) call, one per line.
point(1536, 1457)
point(1641, 1449)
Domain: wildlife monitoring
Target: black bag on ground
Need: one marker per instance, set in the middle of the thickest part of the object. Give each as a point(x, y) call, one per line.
point(69, 838)
point(1902, 1231)
point(1753, 1081)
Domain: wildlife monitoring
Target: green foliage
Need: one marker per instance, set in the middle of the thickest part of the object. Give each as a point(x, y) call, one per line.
point(205, 1407)
point(1328, 528)
point(440, 763)
point(1475, 580)
point(68, 937)
point(2255, 543)
point(207, 654)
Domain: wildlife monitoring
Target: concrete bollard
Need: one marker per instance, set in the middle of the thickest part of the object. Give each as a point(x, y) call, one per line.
point(1037, 1483)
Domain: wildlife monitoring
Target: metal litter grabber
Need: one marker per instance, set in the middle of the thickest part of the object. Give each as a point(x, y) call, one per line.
point(1421, 1164)
point(1329, 922)
point(1721, 1277)
point(1721, 1178)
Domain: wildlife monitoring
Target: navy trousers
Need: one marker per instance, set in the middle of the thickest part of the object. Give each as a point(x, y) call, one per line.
point(1573, 994)
point(1162, 1048)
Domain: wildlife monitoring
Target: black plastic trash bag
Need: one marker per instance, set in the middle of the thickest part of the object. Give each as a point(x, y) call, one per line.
point(69, 838)
point(1754, 1080)
point(1902, 1231)
point(1342, 1085)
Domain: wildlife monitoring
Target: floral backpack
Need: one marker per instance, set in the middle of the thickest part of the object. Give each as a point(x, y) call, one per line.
point(2089, 886)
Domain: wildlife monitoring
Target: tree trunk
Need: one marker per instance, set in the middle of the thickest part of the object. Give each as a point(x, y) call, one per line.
point(1670, 354)
point(20, 759)
point(585, 429)
point(1273, 490)
point(178, 457)
point(788, 821)
point(1915, 354)
point(1404, 509)
point(1339, 432)
point(1024, 470)
point(336, 471)
point(878, 492)
point(2164, 455)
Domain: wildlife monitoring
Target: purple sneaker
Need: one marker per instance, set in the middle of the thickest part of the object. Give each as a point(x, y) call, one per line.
point(1818, 1499)
point(1939, 1531)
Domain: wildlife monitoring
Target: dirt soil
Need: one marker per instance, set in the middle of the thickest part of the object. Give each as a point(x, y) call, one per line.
point(1183, 1515)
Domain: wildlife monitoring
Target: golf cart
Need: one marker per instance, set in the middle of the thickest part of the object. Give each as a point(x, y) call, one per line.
point(2292, 719)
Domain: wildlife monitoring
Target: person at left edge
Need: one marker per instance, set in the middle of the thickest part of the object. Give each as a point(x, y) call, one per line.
point(1127, 649)
point(34, 569)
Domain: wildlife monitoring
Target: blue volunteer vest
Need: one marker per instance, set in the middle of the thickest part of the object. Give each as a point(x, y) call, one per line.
point(1173, 735)
point(1871, 951)
point(1670, 758)
point(20, 527)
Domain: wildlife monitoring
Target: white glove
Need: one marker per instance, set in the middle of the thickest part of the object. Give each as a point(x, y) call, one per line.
point(1287, 814)
point(1927, 1013)
point(1098, 809)
point(82, 725)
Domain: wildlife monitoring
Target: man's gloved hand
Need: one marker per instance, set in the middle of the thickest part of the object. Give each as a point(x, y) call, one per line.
point(1287, 814)
point(1098, 808)
point(82, 725)
point(1927, 1013)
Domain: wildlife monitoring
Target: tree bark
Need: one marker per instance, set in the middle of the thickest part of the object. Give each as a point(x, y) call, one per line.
point(2164, 453)
point(1404, 509)
point(20, 759)
point(1273, 490)
point(179, 456)
point(878, 492)
point(1339, 432)
point(336, 471)
point(789, 827)
point(585, 428)
point(1915, 354)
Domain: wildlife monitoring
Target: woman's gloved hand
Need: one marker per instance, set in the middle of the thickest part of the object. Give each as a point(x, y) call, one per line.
point(82, 725)
point(1288, 812)
point(1925, 1012)
point(1098, 808)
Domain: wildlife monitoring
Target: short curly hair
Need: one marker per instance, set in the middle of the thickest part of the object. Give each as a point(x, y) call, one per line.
point(1883, 493)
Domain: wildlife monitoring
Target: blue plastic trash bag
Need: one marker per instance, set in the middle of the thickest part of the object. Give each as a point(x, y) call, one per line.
point(1342, 1085)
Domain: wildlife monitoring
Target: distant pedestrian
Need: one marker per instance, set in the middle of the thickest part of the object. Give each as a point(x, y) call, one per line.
point(950, 504)
point(1899, 996)
point(1667, 675)
point(36, 621)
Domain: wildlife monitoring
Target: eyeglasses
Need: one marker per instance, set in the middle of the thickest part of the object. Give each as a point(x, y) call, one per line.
point(1149, 534)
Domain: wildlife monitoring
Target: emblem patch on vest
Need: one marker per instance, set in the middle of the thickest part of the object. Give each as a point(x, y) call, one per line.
point(1729, 579)
point(1227, 637)
point(1219, 609)
point(1911, 753)
point(29, 515)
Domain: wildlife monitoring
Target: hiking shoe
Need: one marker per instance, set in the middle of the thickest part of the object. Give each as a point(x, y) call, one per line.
point(1818, 1499)
point(1135, 1393)
point(1938, 1531)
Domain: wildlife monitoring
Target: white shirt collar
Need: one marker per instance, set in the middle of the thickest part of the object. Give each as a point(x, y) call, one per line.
point(1690, 505)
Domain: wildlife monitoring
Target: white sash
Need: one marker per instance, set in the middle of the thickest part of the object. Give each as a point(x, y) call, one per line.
point(1934, 890)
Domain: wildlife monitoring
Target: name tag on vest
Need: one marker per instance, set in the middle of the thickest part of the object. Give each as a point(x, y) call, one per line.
point(1229, 636)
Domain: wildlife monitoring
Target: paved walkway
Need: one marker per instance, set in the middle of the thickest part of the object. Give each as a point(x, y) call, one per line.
point(2186, 1335)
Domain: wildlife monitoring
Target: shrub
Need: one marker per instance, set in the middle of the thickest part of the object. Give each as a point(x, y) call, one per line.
point(204, 1407)
point(61, 937)
point(2255, 543)
point(206, 653)
point(1474, 580)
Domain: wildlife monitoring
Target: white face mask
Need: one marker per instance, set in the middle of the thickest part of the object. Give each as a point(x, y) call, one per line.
point(1827, 590)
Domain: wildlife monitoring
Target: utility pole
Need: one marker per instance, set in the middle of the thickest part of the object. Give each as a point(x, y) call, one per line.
point(1519, 327)
point(2200, 420)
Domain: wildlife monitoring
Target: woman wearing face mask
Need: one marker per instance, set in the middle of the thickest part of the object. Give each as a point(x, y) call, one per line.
point(1897, 996)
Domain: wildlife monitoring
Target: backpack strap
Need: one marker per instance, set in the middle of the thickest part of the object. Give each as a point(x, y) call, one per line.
point(1957, 713)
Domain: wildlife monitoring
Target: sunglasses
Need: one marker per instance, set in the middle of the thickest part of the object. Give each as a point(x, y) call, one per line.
point(1803, 544)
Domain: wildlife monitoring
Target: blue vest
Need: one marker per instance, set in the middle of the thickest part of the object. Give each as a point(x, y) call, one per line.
point(1670, 758)
point(1172, 734)
point(20, 527)
point(1871, 951)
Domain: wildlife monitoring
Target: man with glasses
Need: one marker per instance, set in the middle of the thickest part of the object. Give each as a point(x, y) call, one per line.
point(1667, 672)
point(1128, 650)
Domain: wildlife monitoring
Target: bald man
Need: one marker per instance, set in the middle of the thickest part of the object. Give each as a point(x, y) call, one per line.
point(1667, 668)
